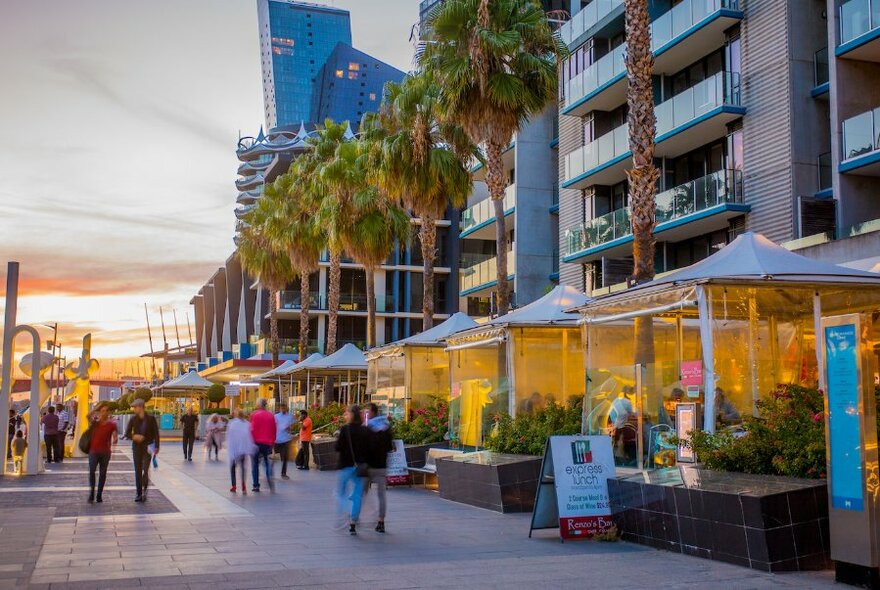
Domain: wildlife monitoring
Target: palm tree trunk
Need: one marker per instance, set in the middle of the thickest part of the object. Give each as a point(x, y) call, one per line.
point(305, 302)
point(333, 303)
point(644, 175)
point(428, 237)
point(496, 183)
point(371, 306)
point(274, 341)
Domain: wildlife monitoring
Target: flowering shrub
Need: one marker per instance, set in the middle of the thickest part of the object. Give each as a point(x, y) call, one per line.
point(427, 425)
point(330, 414)
point(527, 434)
point(788, 438)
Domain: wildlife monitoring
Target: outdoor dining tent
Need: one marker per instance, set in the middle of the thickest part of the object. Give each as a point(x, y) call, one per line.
point(191, 384)
point(515, 363)
point(403, 376)
point(341, 376)
point(721, 333)
point(289, 386)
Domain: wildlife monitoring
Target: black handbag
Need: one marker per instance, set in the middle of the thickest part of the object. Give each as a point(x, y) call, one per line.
point(362, 469)
point(85, 440)
point(298, 461)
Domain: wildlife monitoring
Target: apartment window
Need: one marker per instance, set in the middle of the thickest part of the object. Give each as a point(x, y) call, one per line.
point(339, 73)
point(283, 41)
point(353, 67)
point(372, 96)
point(352, 76)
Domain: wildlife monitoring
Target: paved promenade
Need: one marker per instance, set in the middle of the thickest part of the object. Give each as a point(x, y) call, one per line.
point(194, 534)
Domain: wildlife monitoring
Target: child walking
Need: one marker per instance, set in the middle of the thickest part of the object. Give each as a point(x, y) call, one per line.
point(19, 444)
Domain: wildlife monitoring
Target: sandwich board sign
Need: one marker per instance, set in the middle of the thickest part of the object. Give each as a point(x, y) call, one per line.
point(397, 473)
point(573, 491)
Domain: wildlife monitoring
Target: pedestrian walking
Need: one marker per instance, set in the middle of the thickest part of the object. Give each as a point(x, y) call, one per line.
point(381, 443)
point(305, 440)
point(263, 432)
point(189, 422)
point(353, 446)
point(50, 434)
point(143, 431)
point(13, 428)
point(103, 437)
point(214, 436)
point(283, 436)
point(239, 446)
point(17, 447)
point(63, 424)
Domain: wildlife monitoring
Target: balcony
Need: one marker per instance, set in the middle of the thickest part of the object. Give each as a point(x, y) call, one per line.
point(482, 215)
point(586, 19)
point(860, 30)
point(693, 208)
point(691, 29)
point(479, 275)
point(685, 122)
point(289, 301)
point(824, 166)
point(820, 73)
point(249, 182)
point(861, 144)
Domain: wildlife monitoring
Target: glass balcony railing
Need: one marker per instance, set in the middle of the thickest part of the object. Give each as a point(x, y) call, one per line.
point(858, 17)
point(484, 272)
point(291, 301)
point(820, 67)
point(554, 195)
point(718, 188)
point(663, 30)
point(861, 134)
point(824, 167)
point(722, 88)
point(586, 18)
point(485, 210)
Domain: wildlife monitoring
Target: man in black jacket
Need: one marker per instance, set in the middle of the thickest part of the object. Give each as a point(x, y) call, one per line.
point(381, 443)
point(143, 431)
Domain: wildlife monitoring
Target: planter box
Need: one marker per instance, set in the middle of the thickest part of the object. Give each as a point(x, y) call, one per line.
point(415, 454)
point(324, 453)
point(503, 483)
point(766, 523)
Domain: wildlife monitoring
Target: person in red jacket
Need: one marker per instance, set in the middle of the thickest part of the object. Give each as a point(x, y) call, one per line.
point(263, 432)
point(104, 436)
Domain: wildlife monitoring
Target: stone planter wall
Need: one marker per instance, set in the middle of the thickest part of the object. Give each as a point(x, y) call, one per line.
point(324, 453)
point(762, 522)
point(503, 483)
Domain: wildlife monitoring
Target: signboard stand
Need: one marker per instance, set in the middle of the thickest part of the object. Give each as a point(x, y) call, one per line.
point(573, 489)
point(396, 473)
point(851, 439)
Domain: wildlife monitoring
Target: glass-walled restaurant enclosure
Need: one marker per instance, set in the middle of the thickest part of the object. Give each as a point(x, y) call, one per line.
point(407, 375)
point(338, 377)
point(515, 364)
point(295, 389)
point(720, 334)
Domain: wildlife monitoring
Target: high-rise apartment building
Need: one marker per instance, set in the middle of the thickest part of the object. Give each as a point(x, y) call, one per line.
point(296, 38)
point(757, 129)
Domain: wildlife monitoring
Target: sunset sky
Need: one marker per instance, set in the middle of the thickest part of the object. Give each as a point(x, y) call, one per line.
point(120, 122)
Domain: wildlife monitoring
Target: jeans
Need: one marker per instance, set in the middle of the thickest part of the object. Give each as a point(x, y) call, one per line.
point(102, 461)
point(377, 480)
point(59, 446)
point(51, 446)
point(239, 462)
point(142, 458)
point(349, 475)
point(306, 447)
point(189, 439)
point(262, 451)
point(283, 449)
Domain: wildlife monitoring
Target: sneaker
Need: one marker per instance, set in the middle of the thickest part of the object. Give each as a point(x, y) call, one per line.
point(380, 528)
point(285, 476)
point(256, 489)
point(232, 489)
point(139, 499)
point(91, 498)
point(99, 499)
point(352, 529)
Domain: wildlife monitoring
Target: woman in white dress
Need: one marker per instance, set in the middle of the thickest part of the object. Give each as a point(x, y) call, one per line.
point(240, 444)
point(214, 435)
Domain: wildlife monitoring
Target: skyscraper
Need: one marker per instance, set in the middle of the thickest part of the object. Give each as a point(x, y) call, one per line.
point(296, 38)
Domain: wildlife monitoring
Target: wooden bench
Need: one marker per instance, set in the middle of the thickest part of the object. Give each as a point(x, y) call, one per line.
point(430, 468)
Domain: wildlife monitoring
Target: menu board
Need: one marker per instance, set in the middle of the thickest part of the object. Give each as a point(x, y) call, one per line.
point(396, 473)
point(581, 468)
point(844, 424)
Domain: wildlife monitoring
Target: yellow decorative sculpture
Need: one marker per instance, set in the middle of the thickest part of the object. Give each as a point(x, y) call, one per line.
point(79, 387)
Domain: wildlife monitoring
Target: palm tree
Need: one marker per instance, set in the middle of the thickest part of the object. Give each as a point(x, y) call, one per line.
point(495, 62)
point(324, 144)
point(375, 224)
point(643, 175)
point(293, 229)
point(416, 160)
point(261, 257)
